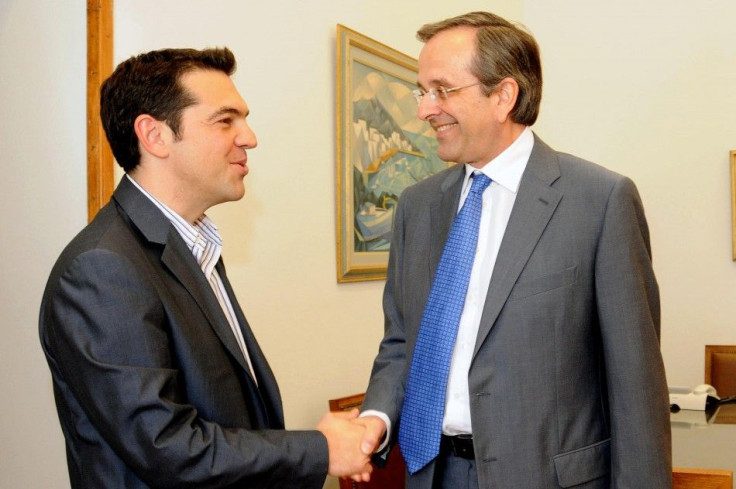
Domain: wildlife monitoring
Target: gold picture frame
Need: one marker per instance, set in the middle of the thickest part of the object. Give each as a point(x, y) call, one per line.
point(733, 203)
point(382, 148)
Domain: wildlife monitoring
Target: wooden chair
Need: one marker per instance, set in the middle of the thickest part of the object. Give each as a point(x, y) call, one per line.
point(720, 368)
point(393, 475)
point(701, 478)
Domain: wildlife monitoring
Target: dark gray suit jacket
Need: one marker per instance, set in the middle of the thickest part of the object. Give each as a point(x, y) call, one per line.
point(150, 385)
point(567, 382)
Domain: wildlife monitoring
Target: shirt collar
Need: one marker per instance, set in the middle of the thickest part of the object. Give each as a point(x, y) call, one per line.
point(203, 238)
point(507, 168)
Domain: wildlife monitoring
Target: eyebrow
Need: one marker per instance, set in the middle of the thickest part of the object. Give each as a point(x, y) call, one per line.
point(440, 82)
point(227, 111)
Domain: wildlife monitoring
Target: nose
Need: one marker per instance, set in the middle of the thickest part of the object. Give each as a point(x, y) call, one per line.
point(246, 138)
point(427, 108)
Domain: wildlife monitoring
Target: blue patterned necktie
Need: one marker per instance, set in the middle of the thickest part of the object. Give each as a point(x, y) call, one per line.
point(420, 428)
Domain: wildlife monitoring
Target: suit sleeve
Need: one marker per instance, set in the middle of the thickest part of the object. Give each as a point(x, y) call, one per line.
point(385, 392)
point(107, 338)
point(629, 314)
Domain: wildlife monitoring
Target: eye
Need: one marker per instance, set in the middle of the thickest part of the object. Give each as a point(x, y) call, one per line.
point(226, 120)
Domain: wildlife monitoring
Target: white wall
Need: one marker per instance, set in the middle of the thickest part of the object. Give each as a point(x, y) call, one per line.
point(645, 88)
point(649, 89)
point(42, 141)
point(42, 136)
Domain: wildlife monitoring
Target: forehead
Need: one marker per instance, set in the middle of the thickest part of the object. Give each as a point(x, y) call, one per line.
point(213, 90)
point(447, 56)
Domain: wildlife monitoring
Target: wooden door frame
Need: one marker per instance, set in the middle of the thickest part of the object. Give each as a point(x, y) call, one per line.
point(100, 174)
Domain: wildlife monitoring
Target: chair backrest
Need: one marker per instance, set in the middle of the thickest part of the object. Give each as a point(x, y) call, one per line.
point(720, 368)
point(393, 475)
point(683, 478)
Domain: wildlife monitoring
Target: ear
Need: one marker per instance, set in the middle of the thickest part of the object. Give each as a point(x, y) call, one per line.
point(508, 92)
point(154, 135)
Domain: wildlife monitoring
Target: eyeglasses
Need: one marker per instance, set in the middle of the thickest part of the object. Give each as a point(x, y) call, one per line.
point(440, 92)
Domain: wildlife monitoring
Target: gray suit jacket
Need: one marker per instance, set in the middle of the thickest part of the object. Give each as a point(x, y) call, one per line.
point(567, 382)
point(151, 387)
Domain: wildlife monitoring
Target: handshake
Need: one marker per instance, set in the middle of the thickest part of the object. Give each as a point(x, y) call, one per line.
point(351, 441)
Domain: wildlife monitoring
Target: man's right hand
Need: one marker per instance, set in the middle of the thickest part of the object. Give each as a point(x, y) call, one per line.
point(344, 438)
point(375, 430)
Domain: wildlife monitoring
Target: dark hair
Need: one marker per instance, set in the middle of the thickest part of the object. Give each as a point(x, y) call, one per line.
point(502, 50)
point(149, 83)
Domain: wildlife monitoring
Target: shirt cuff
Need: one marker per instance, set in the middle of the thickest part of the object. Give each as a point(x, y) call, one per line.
point(384, 417)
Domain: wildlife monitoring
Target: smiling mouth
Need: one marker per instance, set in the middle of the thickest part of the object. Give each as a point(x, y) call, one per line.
point(444, 127)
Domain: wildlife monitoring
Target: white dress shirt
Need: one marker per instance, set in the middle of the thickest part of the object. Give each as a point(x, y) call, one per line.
point(498, 199)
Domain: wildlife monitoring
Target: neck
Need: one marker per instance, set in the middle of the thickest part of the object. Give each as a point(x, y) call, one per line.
point(507, 135)
point(170, 196)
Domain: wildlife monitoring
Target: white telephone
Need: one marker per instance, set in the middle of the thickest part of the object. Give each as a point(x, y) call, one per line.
point(697, 398)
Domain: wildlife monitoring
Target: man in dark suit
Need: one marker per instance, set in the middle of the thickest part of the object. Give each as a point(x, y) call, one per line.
point(158, 379)
point(555, 374)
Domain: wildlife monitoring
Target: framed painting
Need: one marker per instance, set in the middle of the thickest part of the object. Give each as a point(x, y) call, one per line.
point(733, 204)
point(382, 148)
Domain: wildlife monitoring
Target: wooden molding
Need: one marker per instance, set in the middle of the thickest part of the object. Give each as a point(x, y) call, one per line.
point(346, 403)
point(100, 175)
point(687, 478)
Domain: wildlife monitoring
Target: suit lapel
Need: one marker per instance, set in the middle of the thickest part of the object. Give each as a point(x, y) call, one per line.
point(535, 204)
point(177, 257)
point(267, 392)
point(181, 263)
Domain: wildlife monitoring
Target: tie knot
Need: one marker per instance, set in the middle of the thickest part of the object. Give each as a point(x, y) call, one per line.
point(480, 182)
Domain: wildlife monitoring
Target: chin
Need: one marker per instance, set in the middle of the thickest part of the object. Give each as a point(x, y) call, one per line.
point(239, 195)
point(447, 156)
point(236, 194)
point(446, 153)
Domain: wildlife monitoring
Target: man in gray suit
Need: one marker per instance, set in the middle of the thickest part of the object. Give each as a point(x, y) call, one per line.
point(158, 379)
point(556, 378)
